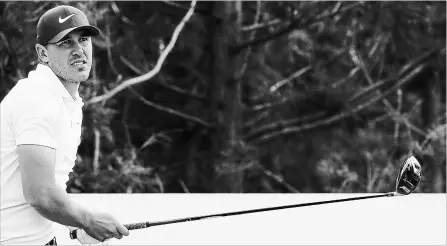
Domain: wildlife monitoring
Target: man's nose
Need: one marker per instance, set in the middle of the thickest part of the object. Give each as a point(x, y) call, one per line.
point(77, 49)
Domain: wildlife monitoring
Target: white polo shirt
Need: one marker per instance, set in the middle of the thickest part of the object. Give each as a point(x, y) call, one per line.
point(38, 110)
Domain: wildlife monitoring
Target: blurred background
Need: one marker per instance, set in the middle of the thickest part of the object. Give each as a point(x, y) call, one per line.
point(254, 97)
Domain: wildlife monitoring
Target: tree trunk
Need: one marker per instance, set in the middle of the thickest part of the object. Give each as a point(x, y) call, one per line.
point(225, 97)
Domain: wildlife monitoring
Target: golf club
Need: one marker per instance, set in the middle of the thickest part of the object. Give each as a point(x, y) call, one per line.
point(408, 179)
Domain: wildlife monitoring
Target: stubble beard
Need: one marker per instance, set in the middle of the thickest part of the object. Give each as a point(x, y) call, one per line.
point(65, 75)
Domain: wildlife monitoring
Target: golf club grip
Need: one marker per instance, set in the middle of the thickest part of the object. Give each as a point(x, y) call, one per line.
point(142, 225)
point(135, 226)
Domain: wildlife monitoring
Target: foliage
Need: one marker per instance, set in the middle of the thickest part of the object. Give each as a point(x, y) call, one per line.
point(333, 95)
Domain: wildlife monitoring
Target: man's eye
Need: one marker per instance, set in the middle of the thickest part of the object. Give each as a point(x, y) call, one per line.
point(65, 42)
point(84, 39)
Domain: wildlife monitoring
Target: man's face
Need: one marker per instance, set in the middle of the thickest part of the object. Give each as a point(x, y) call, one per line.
point(71, 58)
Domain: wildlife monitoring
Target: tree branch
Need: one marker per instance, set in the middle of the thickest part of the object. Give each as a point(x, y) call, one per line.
point(342, 115)
point(394, 113)
point(117, 11)
point(294, 24)
point(184, 187)
point(279, 179)
point(183, 92)
point(282, 123)
point(171, 87)
point(433, 134)
point(402, 71)
point(124, 121)
point(130, 65)
point(252, 36)
point(202, 11)
point(256, 26)
point(267, 105)
point(256, 119)
point(295, 75)
point(358, 60)
point(109, 46)
point(398, 110)
point(157, 67)
point(339, 82)
point(95, 164)
point(171, 111)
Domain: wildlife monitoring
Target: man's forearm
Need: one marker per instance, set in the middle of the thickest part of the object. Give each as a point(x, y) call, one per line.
point(55, 205)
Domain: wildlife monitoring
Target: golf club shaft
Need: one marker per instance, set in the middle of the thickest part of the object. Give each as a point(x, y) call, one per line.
point(142, 225)
point(157, 223)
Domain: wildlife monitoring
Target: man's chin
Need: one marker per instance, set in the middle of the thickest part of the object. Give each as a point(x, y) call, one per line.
point(77, 79)
point(81, 76)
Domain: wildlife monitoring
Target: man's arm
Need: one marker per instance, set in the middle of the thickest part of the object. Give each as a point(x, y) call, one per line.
point(52, 202)
point(42, 192)
point(35, 125)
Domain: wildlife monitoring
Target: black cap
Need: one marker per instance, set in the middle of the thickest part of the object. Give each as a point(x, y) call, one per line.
point(57, 22)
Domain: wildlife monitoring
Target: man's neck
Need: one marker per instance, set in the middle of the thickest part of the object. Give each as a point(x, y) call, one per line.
point(71, 87)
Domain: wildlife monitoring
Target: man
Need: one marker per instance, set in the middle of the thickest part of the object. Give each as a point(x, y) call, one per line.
point(40, 133)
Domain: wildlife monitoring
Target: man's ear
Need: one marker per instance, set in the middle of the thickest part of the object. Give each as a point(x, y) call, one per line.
point(42, 53)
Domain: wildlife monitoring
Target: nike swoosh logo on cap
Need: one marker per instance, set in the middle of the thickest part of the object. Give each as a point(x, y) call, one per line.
point(66, 18)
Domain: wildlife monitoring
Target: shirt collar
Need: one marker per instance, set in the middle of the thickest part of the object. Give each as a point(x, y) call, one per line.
point(50, 79)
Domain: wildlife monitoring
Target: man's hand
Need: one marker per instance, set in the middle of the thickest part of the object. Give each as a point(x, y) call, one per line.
point(103, 226)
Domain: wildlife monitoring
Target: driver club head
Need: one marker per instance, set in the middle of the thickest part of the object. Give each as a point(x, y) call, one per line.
point(409, 176)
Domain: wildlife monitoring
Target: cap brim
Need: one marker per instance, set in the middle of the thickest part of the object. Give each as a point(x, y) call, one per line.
point(88, 30)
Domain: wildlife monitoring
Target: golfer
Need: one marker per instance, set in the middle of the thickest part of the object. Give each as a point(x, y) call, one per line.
point(40, 132)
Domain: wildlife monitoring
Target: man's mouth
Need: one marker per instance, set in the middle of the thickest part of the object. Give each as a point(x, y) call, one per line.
point(78, 63)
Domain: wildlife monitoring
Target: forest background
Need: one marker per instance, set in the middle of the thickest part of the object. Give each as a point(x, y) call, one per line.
point(252, 97)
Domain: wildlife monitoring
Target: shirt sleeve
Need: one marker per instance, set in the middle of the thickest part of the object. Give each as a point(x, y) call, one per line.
point(36, 122)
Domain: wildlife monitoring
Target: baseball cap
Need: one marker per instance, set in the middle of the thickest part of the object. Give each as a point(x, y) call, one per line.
point(57, 22)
